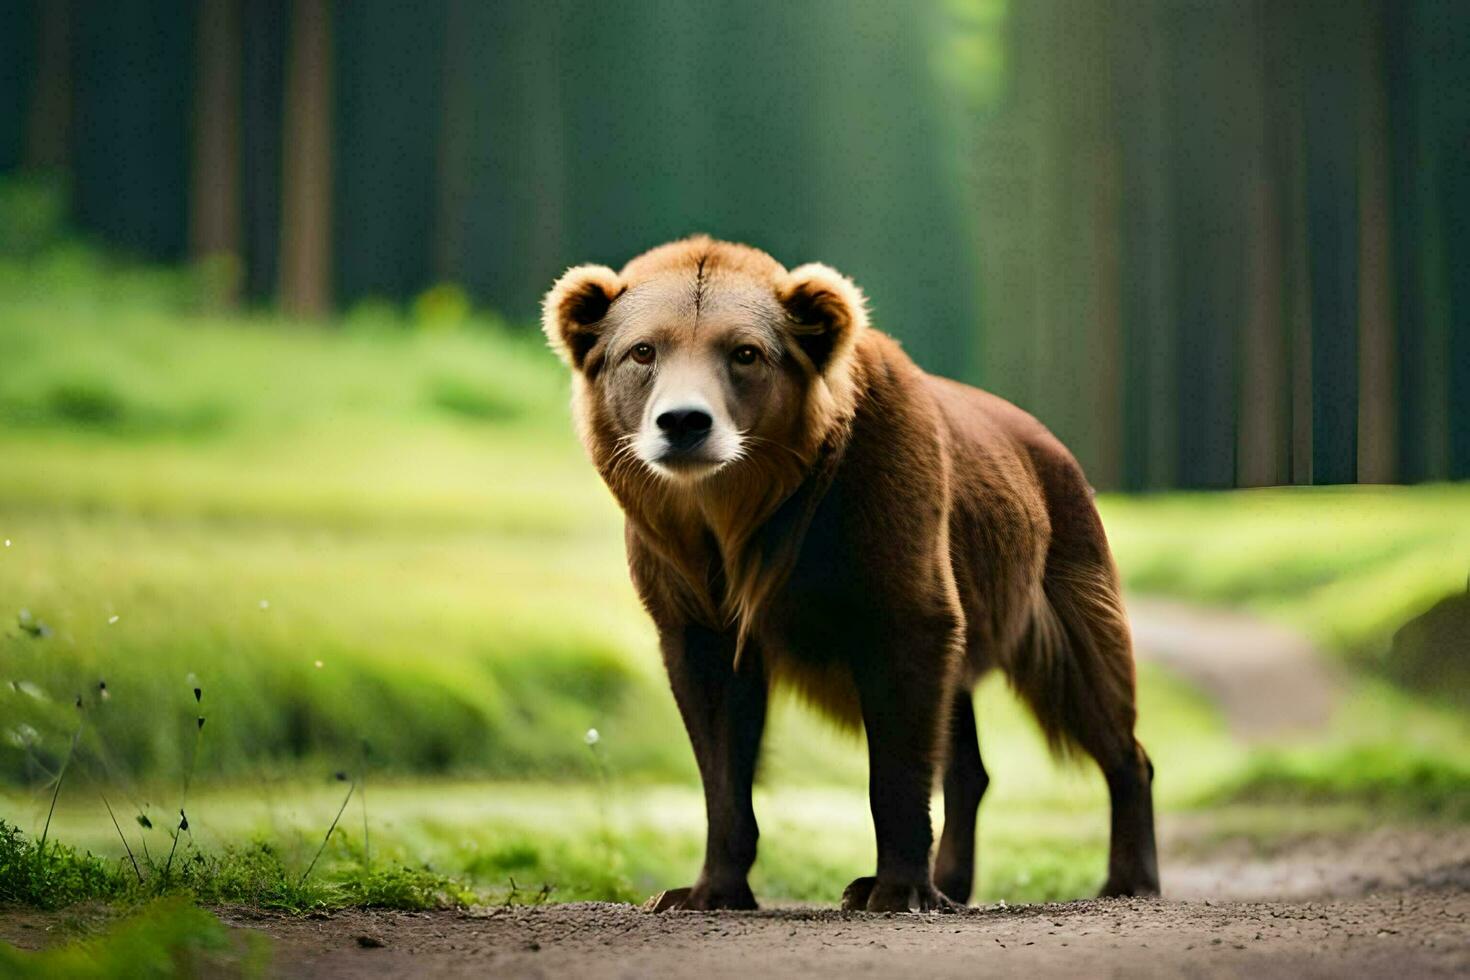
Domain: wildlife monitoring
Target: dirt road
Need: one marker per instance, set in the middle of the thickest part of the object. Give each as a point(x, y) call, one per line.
point(1268, 681)
point(1393, 903)
point(1419, 932)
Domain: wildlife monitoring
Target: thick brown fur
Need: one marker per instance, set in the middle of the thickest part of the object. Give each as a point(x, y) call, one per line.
point(874, 536)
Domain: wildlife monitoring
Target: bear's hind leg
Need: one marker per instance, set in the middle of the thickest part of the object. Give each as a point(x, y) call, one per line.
point(1133, 864)
point(1077, 676)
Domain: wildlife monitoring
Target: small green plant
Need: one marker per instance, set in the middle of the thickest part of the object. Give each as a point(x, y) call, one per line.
point(166, 938)
point(405, 888)
point(256, 874)
point(611, 853)
point(183, 826)
point(593, 738)
point(52, 876)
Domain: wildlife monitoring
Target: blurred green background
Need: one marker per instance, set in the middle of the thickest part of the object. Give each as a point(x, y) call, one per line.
point(1212, 244)
point(276, 421)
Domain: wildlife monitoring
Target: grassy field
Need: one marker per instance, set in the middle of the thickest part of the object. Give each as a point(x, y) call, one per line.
point(622, 836)
point(1346, 565)
point(375, 549)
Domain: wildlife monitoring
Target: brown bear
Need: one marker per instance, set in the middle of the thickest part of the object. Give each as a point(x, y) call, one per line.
point(806, 506)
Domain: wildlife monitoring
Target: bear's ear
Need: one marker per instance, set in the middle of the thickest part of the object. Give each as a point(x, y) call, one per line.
point(826, 312)
point(572, 312)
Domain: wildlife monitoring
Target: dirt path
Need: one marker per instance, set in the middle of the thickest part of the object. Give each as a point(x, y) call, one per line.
point(1415, 933)
point(1268, 681)
point(1393, 904)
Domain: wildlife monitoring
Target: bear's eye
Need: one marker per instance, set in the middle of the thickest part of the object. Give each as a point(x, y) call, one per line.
point(643, 353)
point(745, 355)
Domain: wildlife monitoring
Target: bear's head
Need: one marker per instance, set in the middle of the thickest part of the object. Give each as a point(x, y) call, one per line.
point(702, 356)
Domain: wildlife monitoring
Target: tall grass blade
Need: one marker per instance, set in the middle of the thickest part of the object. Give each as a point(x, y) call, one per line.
point(55, 793)
point(122, 838)
point(307, 873)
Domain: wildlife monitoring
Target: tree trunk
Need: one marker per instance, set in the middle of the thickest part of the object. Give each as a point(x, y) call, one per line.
point(1147, 273)
point(453, 184)
point(1263, 395)
point(1332, 230)
point(214, 215)
point(1377, 442)
point(306, 194)
point(48, 125)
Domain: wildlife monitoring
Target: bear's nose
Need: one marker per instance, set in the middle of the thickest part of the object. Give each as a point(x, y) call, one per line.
point(684, 428)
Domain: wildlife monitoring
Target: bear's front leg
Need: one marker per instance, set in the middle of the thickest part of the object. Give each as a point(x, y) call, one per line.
point(903, 688)
point(725, 715)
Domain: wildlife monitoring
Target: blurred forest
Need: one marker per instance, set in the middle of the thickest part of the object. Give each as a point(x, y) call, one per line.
point(1210, 242)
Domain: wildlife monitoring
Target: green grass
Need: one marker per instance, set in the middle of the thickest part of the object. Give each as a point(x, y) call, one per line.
point(631, 839)
point(1390, 781)
point(1043, 833)
point(1347, 565)
point(376, 547)
point(165, 938)
point(1042, 837)
point(260, 874)
point(456, 576)
point(1386, 752)
point(442, 651)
